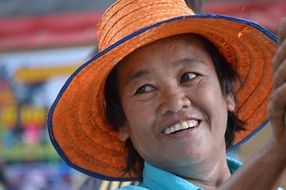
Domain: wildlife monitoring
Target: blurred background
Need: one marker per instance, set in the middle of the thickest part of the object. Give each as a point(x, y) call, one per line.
point(41, 44)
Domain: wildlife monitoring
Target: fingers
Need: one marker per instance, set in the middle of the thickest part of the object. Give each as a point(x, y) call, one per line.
point(285, 119)
point(282, 31)
point(277, 106)
point(277, 109)
point(280, 56)
point(278, 100)
point(280, 75)
point(281, 52)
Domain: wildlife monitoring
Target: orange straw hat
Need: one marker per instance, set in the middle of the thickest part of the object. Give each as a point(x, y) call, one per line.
point(77, 122)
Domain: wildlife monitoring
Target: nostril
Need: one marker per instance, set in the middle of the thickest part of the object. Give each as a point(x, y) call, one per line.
point(187, 102)
point(174, 104)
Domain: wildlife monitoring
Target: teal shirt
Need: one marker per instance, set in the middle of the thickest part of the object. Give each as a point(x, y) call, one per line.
point(158, 179)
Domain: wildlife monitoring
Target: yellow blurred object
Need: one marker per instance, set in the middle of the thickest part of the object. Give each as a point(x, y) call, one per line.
point(8, 116)
point(33, 116)
point(41, 74)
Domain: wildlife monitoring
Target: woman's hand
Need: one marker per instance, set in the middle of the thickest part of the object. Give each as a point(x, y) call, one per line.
point(277, 106)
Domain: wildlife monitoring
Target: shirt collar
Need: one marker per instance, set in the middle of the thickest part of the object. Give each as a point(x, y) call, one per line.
point(156, 178)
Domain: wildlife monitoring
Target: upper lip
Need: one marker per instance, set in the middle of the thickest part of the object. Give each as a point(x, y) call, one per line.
point(178, 119)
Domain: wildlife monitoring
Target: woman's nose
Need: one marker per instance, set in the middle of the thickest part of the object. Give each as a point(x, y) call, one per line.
point(173, 100)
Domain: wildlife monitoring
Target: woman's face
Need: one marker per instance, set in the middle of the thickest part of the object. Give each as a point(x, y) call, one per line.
point(175, 109)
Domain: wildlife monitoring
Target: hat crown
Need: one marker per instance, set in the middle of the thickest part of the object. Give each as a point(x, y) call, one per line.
point(127, 16)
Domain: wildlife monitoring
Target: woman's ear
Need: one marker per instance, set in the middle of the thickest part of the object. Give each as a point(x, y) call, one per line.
point(123, 134)
point(230, 102)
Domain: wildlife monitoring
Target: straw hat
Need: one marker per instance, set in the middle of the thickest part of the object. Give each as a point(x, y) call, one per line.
point(77, 123)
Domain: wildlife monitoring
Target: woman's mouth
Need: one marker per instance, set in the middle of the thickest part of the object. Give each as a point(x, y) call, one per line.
point(184, 125)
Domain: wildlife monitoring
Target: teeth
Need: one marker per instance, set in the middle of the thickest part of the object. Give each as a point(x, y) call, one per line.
point(177, 127)
point(192, 123)
point(184, 125)
point(181, 126)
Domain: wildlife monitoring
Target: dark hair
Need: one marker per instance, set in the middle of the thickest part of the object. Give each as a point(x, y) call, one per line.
point(227, 77)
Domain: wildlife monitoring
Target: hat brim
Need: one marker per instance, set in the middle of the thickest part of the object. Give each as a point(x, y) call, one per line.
point(77, 123)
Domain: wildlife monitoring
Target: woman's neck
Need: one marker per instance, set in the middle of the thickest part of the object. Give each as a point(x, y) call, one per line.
point(208, 174)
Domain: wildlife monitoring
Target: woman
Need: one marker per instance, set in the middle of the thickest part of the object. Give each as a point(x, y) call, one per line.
point(167, 94)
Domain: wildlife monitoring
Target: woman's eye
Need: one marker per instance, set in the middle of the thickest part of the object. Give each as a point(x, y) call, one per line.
point(188, 76)
point(144, 89)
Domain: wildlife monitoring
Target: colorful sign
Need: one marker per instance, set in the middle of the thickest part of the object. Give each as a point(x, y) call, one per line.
point(7, 105)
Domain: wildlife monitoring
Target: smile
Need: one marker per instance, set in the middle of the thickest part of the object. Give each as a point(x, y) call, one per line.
point(184, 125)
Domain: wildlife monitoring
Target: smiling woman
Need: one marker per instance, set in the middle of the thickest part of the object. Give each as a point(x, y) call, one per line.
point(158, 69)
point(180, 86)
point(165, 97)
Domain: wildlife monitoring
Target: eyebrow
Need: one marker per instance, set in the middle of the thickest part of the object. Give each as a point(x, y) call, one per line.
point(184, 61)
point(189, 62)
point(138, 74)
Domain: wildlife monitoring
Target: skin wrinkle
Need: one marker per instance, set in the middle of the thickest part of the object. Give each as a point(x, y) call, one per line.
point(116, 116)
point(166, 100)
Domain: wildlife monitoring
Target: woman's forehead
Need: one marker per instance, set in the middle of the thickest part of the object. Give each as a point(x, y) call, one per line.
point(166, 55)
point(166, 47)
